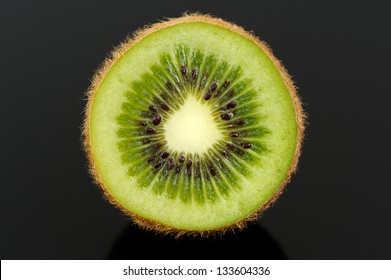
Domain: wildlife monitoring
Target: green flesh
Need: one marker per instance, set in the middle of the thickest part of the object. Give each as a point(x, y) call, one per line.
point(205, 163)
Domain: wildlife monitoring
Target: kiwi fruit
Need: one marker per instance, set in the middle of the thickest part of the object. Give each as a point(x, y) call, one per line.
point(192, 126)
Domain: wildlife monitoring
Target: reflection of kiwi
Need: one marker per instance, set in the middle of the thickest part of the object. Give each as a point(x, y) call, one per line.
point(193, 126)
point(134, 243)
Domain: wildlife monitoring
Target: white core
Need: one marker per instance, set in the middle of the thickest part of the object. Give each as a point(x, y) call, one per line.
point(192, 129)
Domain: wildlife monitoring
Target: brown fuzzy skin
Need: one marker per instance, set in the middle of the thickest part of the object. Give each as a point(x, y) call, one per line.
point(105, 68)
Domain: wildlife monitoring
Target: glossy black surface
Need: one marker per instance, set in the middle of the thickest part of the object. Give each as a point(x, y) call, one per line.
point(336, 207)
point(253, 243)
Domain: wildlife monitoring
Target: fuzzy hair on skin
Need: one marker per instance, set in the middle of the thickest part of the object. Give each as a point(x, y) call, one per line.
point(117, 53)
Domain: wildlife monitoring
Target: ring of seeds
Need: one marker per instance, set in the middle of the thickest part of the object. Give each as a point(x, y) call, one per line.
point(191, 76)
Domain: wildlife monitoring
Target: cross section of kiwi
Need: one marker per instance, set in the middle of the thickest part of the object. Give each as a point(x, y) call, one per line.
point(193, 126)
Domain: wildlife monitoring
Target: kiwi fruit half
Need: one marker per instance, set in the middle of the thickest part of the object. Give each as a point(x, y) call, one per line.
point(192, 126)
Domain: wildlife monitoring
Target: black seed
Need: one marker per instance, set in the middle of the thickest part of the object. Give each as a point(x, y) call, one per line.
point(189, 163)
point(224, 153)
point(151, 159)
point(146, 141)
point(165, 107)
point(165, 154)
point(170, 163)
point(239, 151)
point(226, 84)
point(208, 95)
point(234, 134)
point(183, 70)
point(246, 145)
point(182, 158)
point(230, 147)
point(194, 74)
point(231, 104)
point(143, 123)
point(231, 93)
point(153, 108)
point(169, 86)
point(212, 171)
point(150, 130)
point(177, 169)
point(227, 116)
point(240, 123)
point(156, 119)
point(159, 163)
point(213, 87)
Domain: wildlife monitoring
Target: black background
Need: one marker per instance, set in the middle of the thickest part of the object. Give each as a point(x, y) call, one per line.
point(336, 207)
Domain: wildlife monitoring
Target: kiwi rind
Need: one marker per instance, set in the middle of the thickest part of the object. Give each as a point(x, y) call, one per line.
point(119, 52)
